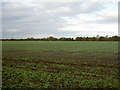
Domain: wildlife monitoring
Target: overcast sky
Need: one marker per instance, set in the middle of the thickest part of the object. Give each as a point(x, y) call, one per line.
point(59, 19)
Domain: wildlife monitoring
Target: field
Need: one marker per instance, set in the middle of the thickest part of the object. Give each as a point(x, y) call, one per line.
point(60, 64)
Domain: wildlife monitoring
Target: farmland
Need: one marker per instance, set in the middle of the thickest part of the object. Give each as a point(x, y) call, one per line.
point(60, 64)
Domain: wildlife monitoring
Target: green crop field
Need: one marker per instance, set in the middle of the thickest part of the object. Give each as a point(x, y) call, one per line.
point(60, 64)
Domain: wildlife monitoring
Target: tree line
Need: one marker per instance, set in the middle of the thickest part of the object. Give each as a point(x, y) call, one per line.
point(51, 38)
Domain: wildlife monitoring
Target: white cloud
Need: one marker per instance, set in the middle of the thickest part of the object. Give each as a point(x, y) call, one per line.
point(12, 30)
point(58, 19)
point(59, 10)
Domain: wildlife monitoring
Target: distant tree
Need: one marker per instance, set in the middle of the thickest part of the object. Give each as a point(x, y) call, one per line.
point(72, 39)
point(102, 38)
point(43, 39)
point(77, 39)
point(30, 38)
point(83, 39)
point(69, 39)
point(94, 39)
point(88, 39)
point(115, 38)
point(51, 38)
point(62, 39)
